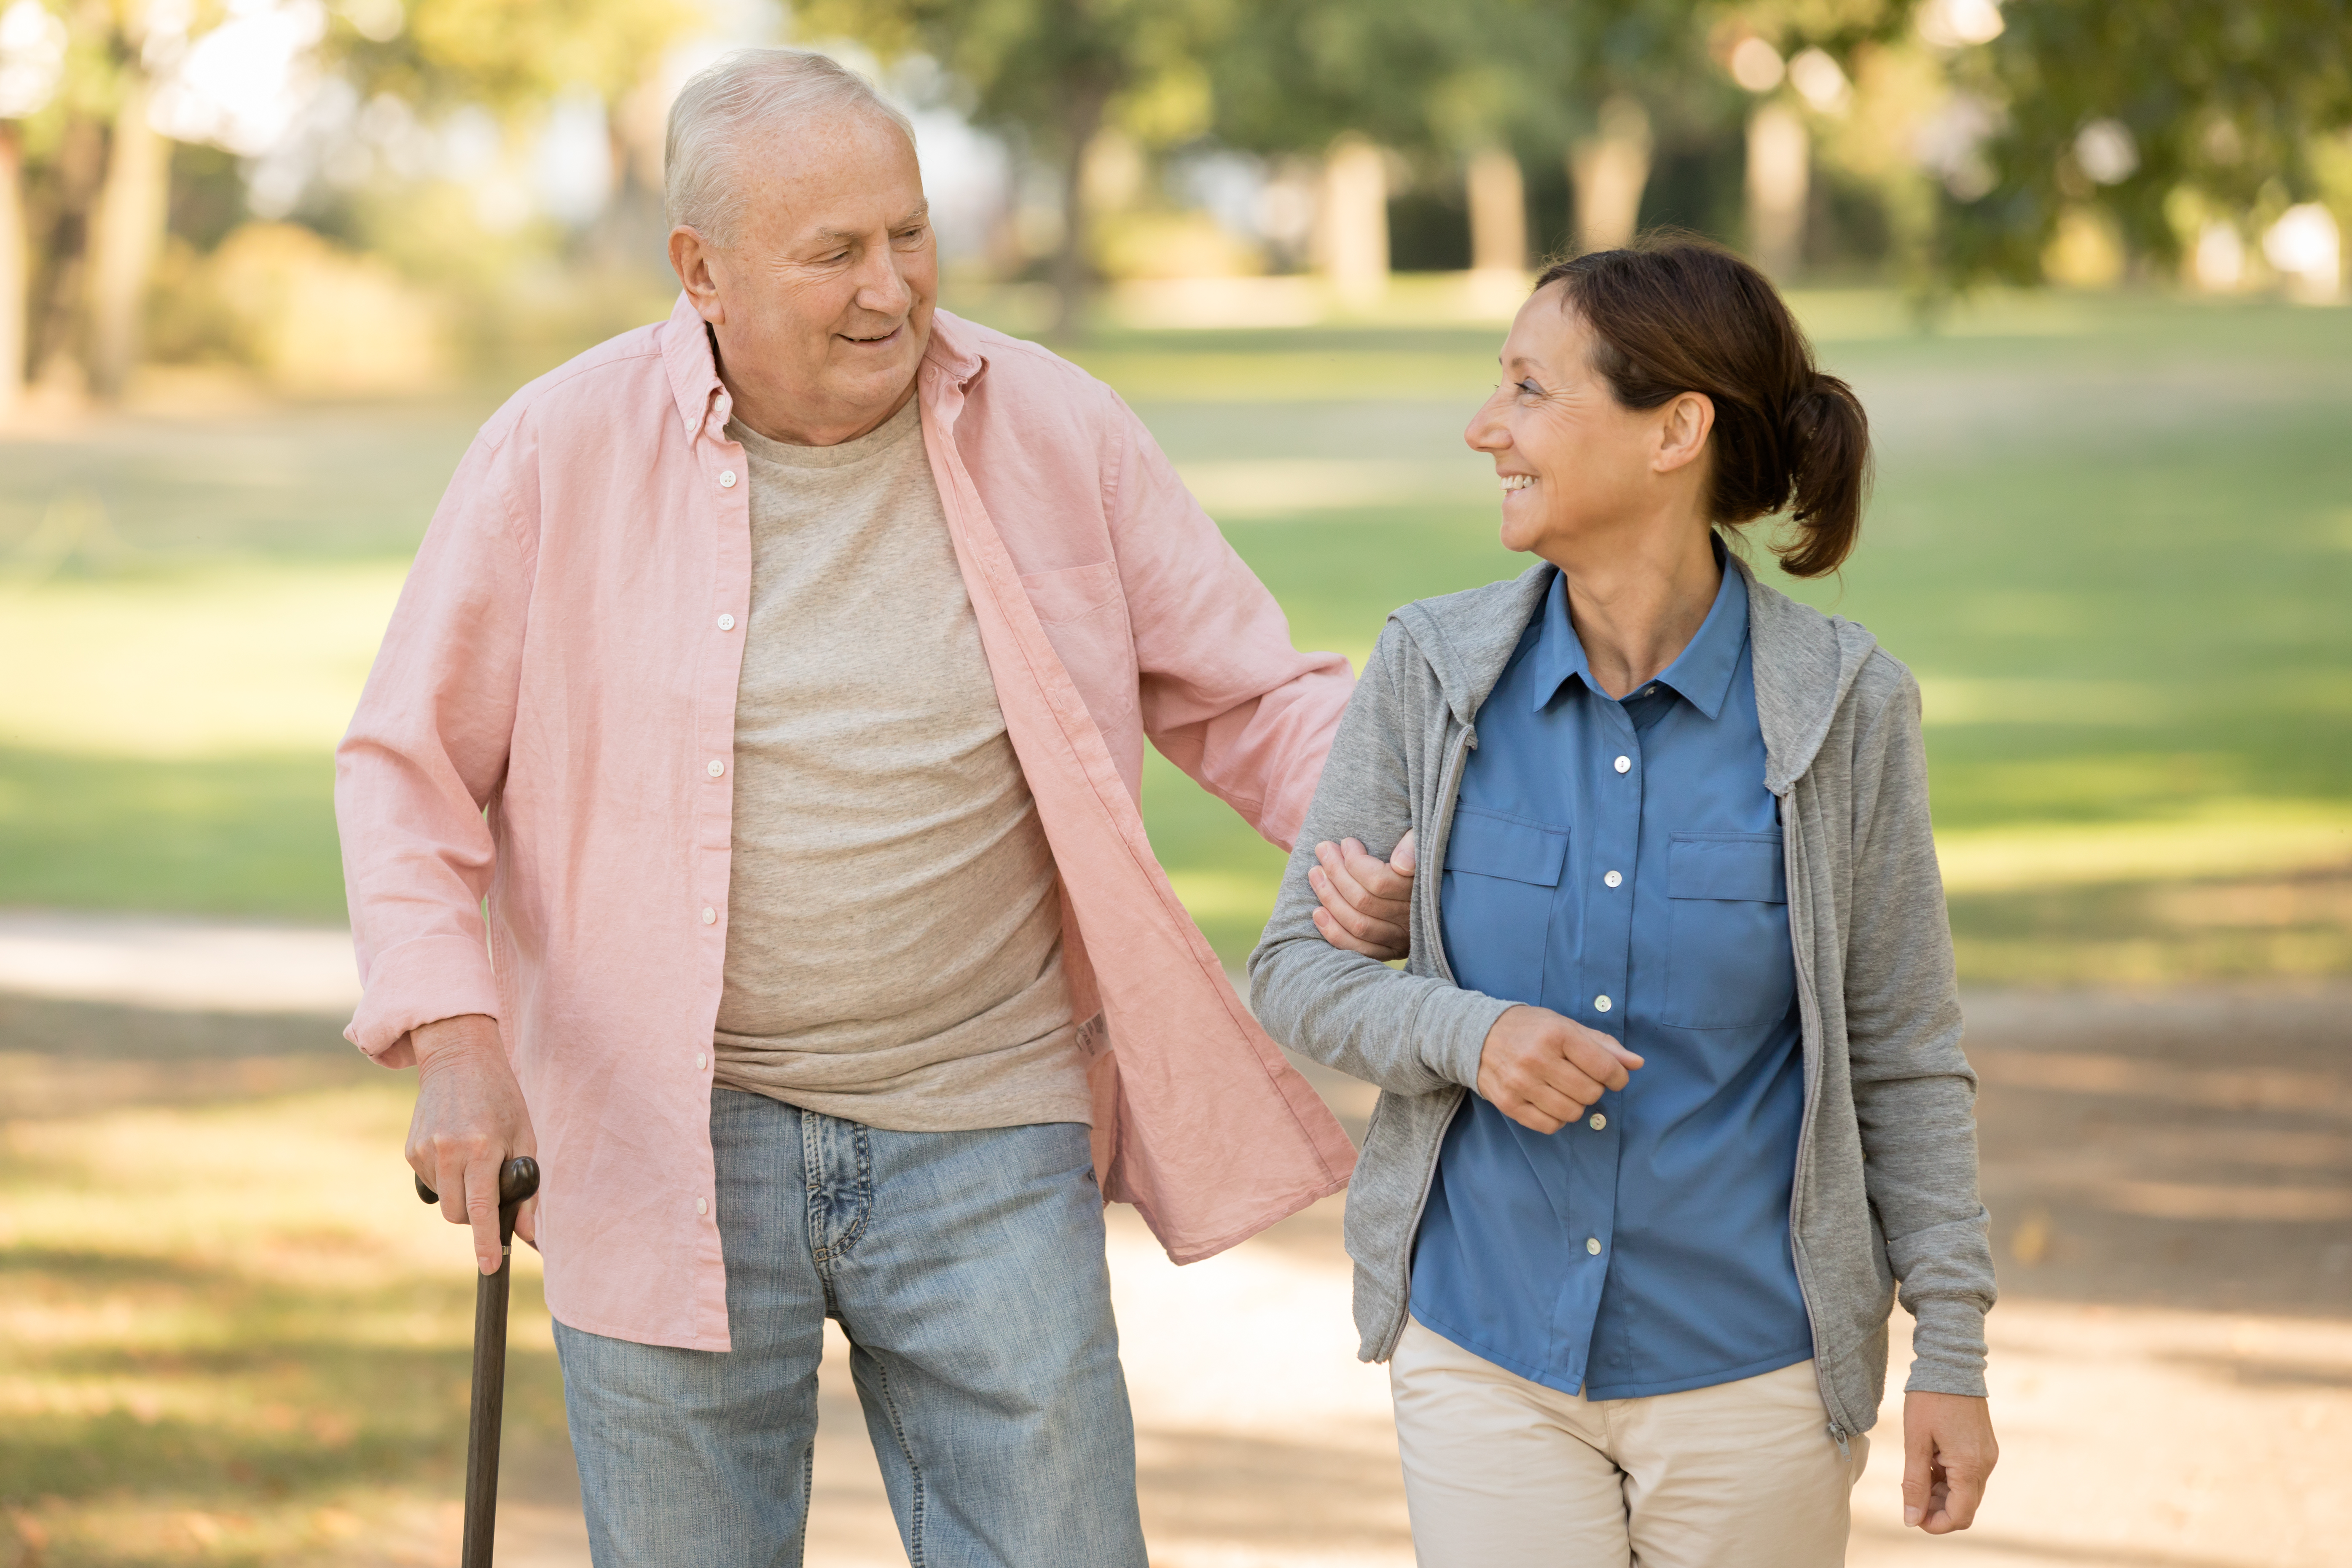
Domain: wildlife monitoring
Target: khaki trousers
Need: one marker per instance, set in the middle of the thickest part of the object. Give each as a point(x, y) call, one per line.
point(1500, 1472)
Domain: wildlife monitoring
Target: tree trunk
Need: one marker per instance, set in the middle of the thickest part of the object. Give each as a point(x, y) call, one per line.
point(1086, 97)
point(57, 320)
point(1499, 213)
point(16, 276)
point(1608, 170)
point(132, 210)
point(1780, 171)
point(1353, 225)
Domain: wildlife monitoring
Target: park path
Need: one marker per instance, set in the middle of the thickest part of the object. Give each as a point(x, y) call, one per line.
point(2171, 1175)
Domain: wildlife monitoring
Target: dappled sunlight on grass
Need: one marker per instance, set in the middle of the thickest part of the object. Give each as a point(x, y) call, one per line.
point(232, 1328)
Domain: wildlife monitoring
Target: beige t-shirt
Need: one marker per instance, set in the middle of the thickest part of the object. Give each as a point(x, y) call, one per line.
point(894, 951)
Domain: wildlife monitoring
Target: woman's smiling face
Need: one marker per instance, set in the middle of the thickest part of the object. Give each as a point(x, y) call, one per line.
point(1574, 461)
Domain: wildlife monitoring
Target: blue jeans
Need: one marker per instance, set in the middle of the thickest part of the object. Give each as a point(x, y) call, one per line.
point(967, 1270)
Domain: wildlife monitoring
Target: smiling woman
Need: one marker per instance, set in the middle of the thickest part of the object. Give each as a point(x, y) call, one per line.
point(1672, 1085)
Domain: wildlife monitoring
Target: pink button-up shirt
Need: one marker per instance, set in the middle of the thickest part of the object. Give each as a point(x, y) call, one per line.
point(560, 675)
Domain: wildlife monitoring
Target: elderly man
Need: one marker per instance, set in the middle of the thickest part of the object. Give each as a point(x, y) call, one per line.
point(741, 816)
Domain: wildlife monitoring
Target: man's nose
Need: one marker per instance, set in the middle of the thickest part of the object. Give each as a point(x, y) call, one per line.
point(881, 287)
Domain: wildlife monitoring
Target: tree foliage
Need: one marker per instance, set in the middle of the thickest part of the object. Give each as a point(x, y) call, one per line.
point(2225, 106)
point(509, 55)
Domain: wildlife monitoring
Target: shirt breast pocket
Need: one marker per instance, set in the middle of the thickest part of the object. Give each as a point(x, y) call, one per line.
point(1500, 875)
point(1729, 964)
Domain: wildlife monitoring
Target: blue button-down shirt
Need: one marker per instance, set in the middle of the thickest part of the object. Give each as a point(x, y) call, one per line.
point(1619, 863)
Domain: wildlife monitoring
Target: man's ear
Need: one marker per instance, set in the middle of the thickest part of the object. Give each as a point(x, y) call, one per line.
point(690, 257)
point(1683, 429)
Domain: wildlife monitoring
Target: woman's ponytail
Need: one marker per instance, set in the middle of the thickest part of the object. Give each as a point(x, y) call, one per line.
point(1828, 442)
point(1674, 313)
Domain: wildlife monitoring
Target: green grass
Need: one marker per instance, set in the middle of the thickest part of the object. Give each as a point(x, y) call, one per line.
point(232, 1334)
point(2113, 537)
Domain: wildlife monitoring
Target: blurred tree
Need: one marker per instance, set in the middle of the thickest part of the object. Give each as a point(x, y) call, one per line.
point(14, 270)
point(32, 62)
point(2156, 113)
point(107, 186)
point(1057, 73)
point(1465, 86)
point(509, 55)
point(126, 232)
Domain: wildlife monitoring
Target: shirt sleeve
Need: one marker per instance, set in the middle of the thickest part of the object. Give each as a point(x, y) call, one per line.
point(423, 762)
point(1223, 693)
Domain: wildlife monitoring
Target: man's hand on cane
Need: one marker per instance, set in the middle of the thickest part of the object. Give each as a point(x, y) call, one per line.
point(470, 1120)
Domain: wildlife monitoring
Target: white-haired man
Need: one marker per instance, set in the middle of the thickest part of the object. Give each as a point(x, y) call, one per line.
point(776, 679)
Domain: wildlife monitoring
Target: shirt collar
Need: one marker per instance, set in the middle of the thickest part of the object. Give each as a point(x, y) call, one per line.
point(1701, 674)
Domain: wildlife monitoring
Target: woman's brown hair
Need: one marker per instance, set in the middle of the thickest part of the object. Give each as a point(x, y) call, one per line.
point(1674, 313)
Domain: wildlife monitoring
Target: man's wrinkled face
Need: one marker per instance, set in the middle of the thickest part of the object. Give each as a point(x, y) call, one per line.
point(822, 306)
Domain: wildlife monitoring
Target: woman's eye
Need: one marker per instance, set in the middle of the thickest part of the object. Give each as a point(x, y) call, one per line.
point(1530, 388)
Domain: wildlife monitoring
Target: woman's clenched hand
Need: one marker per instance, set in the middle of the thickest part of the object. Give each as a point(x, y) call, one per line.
point(1543, 1070)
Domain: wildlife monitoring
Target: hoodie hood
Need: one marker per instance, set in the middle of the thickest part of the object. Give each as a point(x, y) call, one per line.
point(1805, 661)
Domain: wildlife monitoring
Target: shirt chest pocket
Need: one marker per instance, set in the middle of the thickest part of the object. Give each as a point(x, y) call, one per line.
point(1501, 873)
point(1729, 964)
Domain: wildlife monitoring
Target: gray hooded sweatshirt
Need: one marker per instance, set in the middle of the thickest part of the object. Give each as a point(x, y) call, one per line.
point(1885, 1182)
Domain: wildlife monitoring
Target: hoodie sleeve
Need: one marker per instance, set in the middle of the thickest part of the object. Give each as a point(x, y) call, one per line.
point(1410, 1034)
point(1914, 1092)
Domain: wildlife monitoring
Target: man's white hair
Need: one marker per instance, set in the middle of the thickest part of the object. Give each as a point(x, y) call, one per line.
point(749, 89)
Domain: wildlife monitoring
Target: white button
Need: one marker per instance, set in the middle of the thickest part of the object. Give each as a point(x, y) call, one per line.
point(701, 1060)
point(1600, 1003)
point(1649, 691)
point(726, 623)
point(710, 916)
point(726, 478)
point(1598, 1121)
point(717, 767)
point(1592, 1244)
point(702, 1205)
point(1613, 879)
point(1624, 764)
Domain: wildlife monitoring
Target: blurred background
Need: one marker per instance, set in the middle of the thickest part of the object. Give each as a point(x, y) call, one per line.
point(266, 265)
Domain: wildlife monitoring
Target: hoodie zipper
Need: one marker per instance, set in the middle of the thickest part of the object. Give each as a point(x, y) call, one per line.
point(1809, 1015)
point(1449, 790)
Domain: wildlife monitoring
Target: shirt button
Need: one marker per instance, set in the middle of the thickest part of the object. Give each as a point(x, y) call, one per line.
point(710, 916)
point(1592, 1244)
point(1598, 1121)
point(1600, 1003)
point(1613, 879)
point(1623, 764)
point(702, 1205)
point(726, 623)
point(717, 767)
point(700, 1061)
point(726, 478)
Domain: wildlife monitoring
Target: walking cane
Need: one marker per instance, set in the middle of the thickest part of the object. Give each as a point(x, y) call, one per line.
point(517, 1180)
